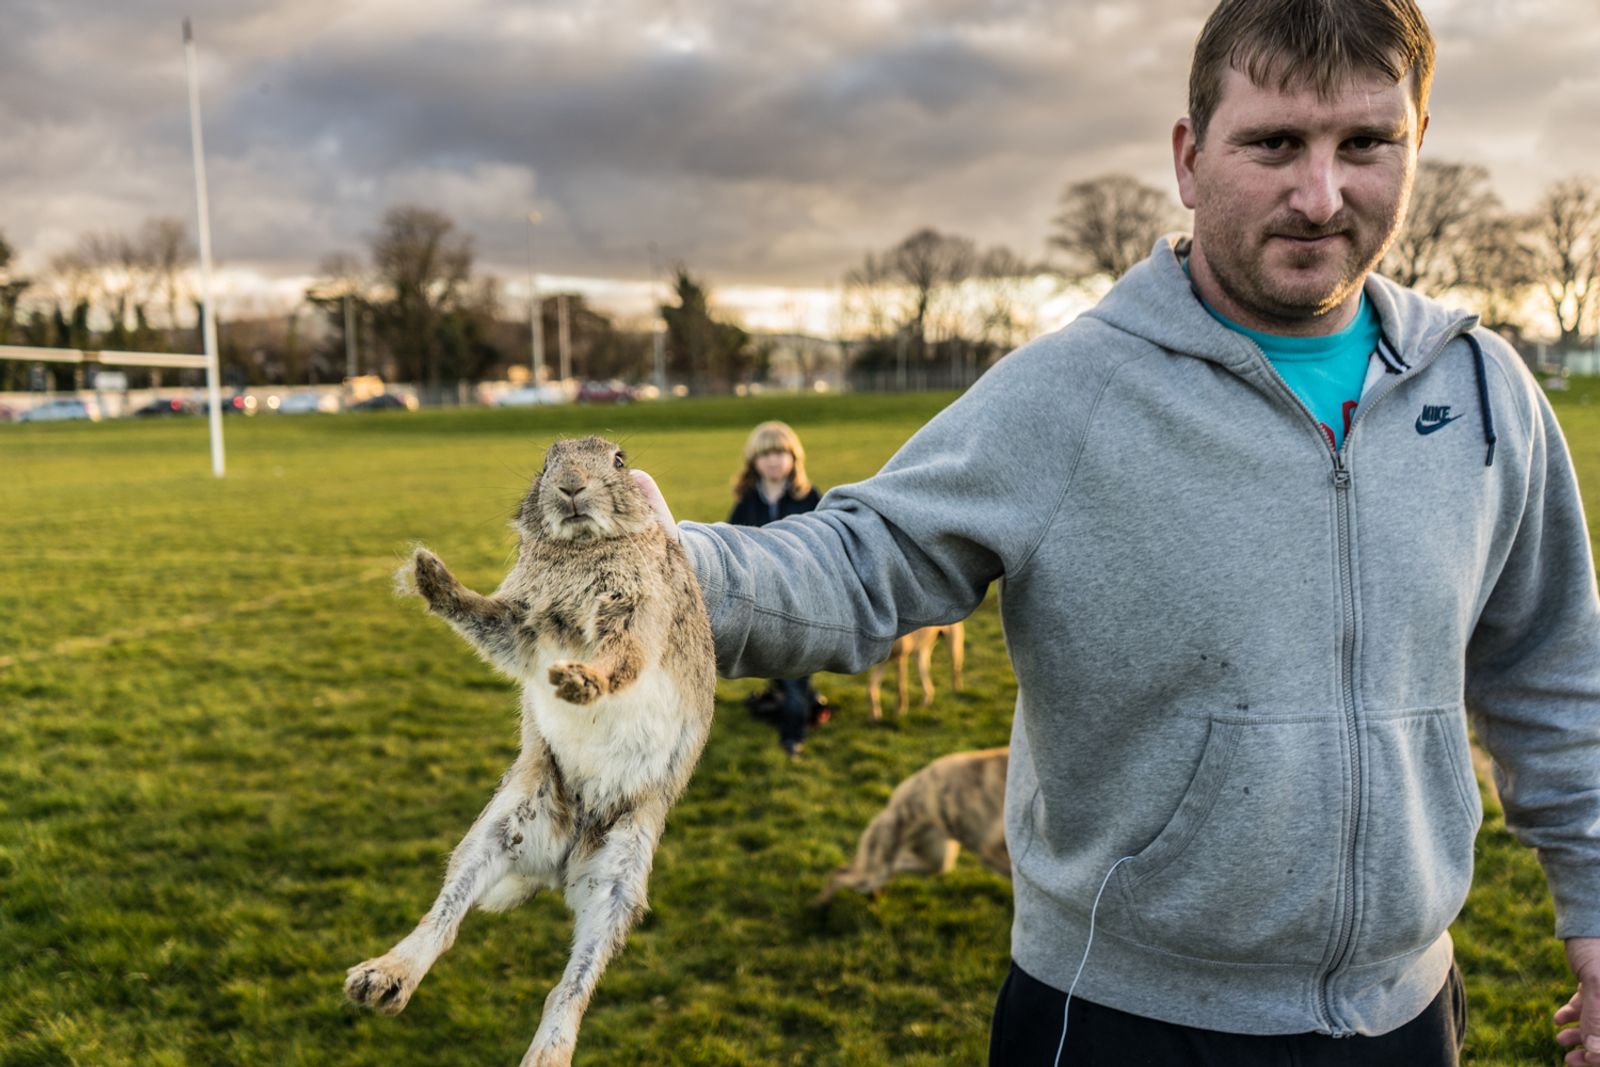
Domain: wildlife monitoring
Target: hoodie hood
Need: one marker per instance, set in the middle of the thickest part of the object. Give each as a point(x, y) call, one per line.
point(1155, 301)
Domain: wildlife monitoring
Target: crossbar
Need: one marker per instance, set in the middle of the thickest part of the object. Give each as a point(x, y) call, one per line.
point(102, 356)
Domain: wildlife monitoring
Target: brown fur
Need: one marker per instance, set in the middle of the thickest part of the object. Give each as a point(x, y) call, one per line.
point(918, 643)
point(956, 800)
point(602, 622)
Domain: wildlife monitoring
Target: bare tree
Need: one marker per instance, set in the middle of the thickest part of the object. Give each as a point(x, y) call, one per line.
point(1109, 223)
point(872, 300)
point(74, 286)
point(423, 266)
point(1566, 239)
point(343, 293)
point(930, 264)
point(123, 279)
point(1450, 204)
point(1498, 265)
point(165, 253)
point(11, 289)
point(1002, 317)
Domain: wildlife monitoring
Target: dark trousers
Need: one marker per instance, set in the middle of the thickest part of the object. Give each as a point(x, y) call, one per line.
point(1027, 1033)
point(795, 710)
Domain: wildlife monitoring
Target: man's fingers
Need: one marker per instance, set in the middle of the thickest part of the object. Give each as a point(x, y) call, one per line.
point(1572, 1010)
point(657, 502)
point(1589, 1023)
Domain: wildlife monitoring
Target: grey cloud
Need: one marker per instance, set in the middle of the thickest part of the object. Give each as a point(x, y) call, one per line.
point(760, 141)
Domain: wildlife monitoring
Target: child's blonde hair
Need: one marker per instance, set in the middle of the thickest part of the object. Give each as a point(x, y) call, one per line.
point(773, 437)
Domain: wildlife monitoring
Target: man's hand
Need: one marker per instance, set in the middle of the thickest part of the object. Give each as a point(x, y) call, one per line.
point(1583, 954)
point(658, 504)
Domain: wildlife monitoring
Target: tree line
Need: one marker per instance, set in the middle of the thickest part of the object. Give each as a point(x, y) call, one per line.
point(933, 304)
point(1459, 240)
point(413, 308)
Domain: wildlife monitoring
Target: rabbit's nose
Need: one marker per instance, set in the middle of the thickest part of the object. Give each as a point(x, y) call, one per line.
point(572, 490)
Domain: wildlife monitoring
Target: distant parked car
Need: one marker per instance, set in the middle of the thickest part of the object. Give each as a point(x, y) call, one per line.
point(307, 404)
point(532, 396)
point(382, 402)
point(163, 406)
point(63, 410)
point(232, 404)
point(7, 413)
point(612, 392)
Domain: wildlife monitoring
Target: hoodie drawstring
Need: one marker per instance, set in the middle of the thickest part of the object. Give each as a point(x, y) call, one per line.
point(1483, 399)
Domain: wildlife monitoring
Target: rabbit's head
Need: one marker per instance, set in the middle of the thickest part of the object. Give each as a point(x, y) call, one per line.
point(584, 492)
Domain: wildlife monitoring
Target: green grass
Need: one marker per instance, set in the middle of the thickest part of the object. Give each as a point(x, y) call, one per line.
point(232, 764)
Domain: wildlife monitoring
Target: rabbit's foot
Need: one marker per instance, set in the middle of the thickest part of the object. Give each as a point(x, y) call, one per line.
point(384, 984)
point(576, 683)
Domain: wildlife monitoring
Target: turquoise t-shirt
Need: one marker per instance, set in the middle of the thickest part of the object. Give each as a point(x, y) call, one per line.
point(1325, 372)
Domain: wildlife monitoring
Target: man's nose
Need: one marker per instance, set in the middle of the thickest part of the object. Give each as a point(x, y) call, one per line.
point(1318, 189)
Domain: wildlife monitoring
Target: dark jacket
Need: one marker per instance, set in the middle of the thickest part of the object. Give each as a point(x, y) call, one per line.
point(753, 509)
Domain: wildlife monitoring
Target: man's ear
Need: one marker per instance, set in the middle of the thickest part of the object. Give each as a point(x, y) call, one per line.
point(1185, 144)
point(1422, 130)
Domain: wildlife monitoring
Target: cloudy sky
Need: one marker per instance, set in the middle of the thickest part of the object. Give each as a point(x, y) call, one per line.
point(762, 142)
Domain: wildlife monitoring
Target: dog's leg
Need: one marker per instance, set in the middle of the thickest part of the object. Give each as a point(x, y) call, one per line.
point(606, 887)
point(874, 688)
point(927, 851)
point(521, 829)
point(993, 853)
point(903, 667)
point(489, 624)
point(957, 634)
point(925, 669)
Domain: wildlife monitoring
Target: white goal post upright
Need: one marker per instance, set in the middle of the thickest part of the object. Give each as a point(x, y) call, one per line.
point(207, 311)
point(206, 362)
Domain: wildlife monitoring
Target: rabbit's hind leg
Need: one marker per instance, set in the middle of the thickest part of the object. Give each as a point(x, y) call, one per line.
point(606, 885)
point(501, 853)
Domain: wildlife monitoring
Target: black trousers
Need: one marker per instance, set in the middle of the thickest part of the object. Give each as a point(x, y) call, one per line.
point(797, 698)
point(1027, 1033)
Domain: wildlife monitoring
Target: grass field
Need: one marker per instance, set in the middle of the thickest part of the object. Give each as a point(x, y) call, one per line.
point(232, 764)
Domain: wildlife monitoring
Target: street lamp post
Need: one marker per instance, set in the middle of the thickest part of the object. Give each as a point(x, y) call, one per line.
point(535, 313)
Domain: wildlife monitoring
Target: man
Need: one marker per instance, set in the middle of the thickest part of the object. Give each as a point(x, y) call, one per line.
point(1269, 528)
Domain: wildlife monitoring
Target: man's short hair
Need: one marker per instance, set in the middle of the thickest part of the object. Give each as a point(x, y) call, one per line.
point(1317, 43)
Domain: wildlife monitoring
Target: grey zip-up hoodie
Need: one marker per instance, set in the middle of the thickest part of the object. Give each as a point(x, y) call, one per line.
point(1243, 660)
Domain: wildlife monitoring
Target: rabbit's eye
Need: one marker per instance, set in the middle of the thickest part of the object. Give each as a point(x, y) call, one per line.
point(617, 461)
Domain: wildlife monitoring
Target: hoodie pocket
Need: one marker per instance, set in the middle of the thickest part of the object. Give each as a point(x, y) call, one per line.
point(1422, 821)
point(1246, 869)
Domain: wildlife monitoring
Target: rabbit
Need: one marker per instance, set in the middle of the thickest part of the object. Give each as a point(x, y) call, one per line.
point(602, 622)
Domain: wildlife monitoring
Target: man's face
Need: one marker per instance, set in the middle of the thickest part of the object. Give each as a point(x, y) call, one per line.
point(1296, 198)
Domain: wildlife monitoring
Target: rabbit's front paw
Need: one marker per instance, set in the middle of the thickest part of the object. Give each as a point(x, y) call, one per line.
point(576, 683)
point(435, 582)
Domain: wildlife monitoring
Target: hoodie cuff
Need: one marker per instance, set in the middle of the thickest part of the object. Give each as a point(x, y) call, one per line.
point(731, 616)
point(1576, 892)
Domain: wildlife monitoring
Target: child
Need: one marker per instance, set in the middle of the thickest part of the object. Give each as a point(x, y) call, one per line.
point(772, 484)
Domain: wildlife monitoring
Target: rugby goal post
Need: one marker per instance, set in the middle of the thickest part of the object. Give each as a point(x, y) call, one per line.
point(208, 318)
point(111, 358)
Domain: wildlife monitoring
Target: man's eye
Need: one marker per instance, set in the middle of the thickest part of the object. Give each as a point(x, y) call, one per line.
point(1274, 144)
point(1364, 144)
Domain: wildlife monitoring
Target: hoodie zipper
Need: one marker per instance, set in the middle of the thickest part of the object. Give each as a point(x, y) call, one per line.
point(1342, 480)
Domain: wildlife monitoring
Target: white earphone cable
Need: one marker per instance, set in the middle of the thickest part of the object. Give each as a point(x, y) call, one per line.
point(1086, 946)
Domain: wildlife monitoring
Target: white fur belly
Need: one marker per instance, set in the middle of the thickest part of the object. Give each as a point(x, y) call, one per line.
point(619, 745)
